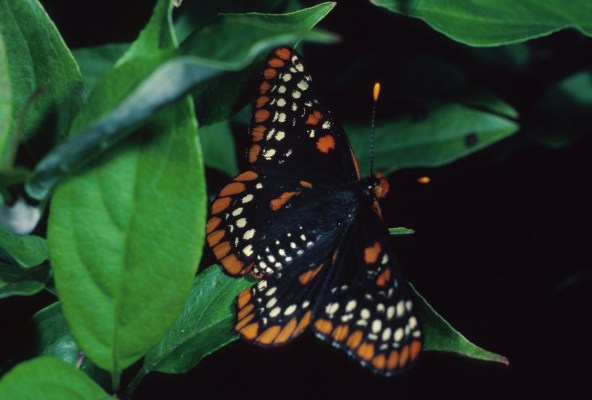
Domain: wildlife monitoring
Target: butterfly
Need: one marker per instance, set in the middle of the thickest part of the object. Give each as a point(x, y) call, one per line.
point(303, 222)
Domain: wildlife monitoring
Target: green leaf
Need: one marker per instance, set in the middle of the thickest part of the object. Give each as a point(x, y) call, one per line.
point(441, 336)
point(152, 95)
point(238, 36)
point(125, 234)
point(566, 108)
point(95, 62)
point(234, 37)
point(6, 147)
point(49, 378)
point(46, 83)
point(219, 148)
point(48, 335)
point(496, 22)
point(401, 231)
point(52, 335)
point(27, 251)
point(194, 15)
point(204, 326)
point(450, 131)
point(18, 281)
point(20, 272)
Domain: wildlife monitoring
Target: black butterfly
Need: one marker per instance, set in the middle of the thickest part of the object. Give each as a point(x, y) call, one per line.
point(304, 222)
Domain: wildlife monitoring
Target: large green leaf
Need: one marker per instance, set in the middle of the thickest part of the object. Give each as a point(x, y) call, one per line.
point(49, 378)
point(5, 104)
point(448, 132)
point(204, 326)
point(496, 22)
point(441, 336)
point(46, 83)
point(125, 234)
point(95, 62)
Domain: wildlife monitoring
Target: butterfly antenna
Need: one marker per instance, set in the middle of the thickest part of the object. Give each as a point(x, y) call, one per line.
point(375, 94)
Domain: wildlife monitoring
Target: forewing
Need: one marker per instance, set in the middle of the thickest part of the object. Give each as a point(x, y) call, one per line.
point(367, 309)
point(292, 133)
point(264, 224)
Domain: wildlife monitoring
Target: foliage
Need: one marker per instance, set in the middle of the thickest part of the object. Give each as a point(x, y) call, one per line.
point(129, 129)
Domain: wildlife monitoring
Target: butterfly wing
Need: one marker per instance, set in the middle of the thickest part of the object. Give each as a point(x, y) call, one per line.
point(264, 224)
point(280, 306)
point(367, 309)
point(292, 134)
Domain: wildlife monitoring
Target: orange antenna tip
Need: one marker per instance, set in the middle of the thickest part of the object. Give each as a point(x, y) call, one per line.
point(376, 91)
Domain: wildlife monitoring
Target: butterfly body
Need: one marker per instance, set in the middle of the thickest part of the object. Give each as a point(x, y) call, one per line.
point(303, 221)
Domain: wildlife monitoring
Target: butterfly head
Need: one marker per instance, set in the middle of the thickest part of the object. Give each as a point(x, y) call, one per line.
point(376, 186)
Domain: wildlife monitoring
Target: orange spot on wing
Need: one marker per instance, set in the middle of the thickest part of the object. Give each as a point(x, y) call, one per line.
point(269, 73)
point(243, 298)
point(264, 87)
point(213, 224)
point(314, 118)
point(366, 351)
point(340, 332)
point(404, 356)
point(303, 323)
point(261, 101)
point(379, 361)
point(254, 152)
point(384, 277)
point(275, 62)
point(286, 332)
point(261, 115)
point(306, 184)
point(250, 331)
point(279, 202)
point(220, 204)
point(245, 311)
point(269, 334)
point(324, 326)
point(232, 188)
point(246, 176)
point(415, 349)
point(248, 269)
point(243, 322)
point(371, 253)
point(221, 250)
point(308, 275)
point(257, 133)
point(283, 53)
point(215, 237)
point(231, 264)
point(393, 360)
point(325, 143)
point(354, 339)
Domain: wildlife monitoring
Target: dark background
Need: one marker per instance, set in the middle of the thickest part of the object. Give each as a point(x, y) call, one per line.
point(502, 245)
